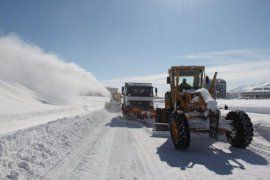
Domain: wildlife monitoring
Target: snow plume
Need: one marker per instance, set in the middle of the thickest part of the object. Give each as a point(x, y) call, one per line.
point(56, 81)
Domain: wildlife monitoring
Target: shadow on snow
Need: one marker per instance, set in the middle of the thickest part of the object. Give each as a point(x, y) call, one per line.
point(202, 151)
point(125, 123)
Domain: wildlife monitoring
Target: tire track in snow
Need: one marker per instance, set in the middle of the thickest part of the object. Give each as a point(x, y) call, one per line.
point(124, 161)
point(123, 157)
point(124, 149)
point(152, 162)
point(261, 146)
point(95, 163)
point(134, 154)
point(66, 168)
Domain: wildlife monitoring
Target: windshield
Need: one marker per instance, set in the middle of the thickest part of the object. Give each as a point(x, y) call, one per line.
point(140, 91)
point(190, 80)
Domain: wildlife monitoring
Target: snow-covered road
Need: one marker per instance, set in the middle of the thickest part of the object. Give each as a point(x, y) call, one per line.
point(100, 145)
point(112, 149)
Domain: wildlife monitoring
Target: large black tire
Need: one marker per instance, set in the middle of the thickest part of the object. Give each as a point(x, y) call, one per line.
point(179, 130)
point(242, 132)
point(158, 115)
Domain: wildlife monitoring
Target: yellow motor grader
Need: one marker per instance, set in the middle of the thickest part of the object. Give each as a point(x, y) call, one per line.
point(190, 106)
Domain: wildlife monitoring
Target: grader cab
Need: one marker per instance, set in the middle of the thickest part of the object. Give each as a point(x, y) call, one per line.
point(190, 107)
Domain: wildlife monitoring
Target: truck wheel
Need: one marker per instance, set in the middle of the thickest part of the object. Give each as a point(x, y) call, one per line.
point(242, 132)
point(179, 130)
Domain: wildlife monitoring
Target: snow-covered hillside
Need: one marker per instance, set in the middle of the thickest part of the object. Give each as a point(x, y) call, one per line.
point(261, 85)
point(38, 87)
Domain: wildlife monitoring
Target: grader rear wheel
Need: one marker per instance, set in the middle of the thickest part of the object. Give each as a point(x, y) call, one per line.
point(179, 130)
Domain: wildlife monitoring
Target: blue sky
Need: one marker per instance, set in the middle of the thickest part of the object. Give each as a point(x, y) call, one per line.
point(115, 39)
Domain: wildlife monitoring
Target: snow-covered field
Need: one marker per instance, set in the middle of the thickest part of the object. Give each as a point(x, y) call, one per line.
point(257, 106)
point(91, 143)
point(81, 140)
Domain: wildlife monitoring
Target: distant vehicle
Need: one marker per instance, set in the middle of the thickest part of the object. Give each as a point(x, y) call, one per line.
point(138, 100)
point(114, 105)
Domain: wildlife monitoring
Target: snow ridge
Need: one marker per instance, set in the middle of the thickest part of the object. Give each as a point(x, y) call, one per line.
point(250, 87)
point(31, 152)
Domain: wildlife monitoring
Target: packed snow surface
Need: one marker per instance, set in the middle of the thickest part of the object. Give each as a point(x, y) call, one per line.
point(101, 145)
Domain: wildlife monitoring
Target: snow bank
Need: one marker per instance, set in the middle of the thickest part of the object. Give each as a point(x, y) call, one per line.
point(22, 108)
point(16, 98)
point(29, 153)
point(44, 73)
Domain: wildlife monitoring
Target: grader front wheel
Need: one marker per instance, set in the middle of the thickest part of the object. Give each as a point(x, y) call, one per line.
point(179, 130)
point(242, 132)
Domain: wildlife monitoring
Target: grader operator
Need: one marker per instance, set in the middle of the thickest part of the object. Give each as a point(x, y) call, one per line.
point(189, 107)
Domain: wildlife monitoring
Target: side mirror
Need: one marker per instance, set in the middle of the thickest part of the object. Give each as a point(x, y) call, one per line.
point(168, 80)
point(123, 89)
point(207, 80)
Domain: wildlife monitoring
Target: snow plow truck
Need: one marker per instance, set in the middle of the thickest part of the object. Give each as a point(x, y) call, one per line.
point(190, 107)
point(138, 100)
